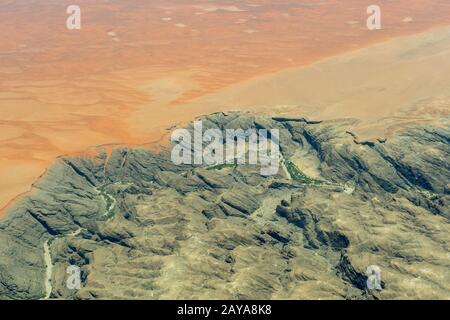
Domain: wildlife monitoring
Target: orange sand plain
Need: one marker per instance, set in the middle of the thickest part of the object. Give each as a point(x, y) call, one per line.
point(137, 68)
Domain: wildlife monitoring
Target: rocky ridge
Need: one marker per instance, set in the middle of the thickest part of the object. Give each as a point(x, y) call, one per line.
point(140, 227)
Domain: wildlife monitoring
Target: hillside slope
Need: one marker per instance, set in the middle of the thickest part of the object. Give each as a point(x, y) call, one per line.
point(141, 227)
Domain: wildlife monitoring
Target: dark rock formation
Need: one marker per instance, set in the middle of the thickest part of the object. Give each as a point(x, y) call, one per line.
point(141, 227)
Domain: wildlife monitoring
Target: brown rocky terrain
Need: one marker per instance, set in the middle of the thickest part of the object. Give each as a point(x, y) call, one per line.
point(140, 227)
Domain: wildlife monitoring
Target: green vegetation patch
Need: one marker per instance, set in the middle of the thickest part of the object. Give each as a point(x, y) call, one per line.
point(110, 203)
point(299, 176)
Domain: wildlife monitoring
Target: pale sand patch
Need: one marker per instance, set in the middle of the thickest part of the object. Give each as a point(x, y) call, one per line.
point(250, 31)
point(221, 8)
point(113, 36)
point(240, 21)
point(379, 85)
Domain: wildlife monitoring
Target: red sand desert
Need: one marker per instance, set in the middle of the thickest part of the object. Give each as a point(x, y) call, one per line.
point(137, 68)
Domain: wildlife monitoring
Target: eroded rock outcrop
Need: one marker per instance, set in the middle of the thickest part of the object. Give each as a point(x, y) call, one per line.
point(141, 227)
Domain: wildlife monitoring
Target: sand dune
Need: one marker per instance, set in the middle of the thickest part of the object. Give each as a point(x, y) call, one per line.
point(384, 87)
point(130, 74)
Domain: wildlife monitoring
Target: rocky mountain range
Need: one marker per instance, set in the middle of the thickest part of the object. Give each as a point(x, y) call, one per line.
point(141, 227)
